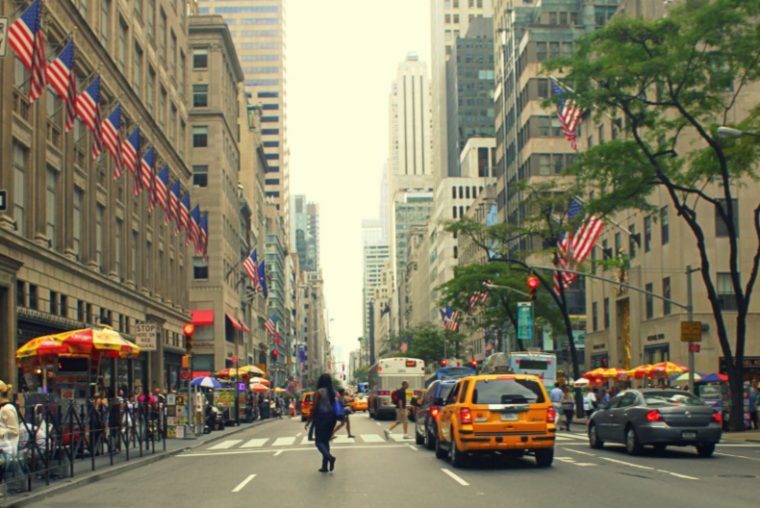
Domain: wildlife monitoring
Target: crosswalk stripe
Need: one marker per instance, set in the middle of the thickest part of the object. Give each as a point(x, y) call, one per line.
point(305, 441)
point(343, 439)
point(284, 441)
point(372, 438)
point(255, 443)
point(224, 445)
point(399, 438)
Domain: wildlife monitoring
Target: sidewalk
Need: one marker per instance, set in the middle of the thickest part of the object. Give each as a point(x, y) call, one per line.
point(83, 468)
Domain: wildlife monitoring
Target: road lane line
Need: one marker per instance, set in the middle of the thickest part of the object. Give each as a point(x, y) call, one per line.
point(414, 448)
point(224, 445)
point(629, 464)
point(284, 441)
point(242, 484)
point(584, 464)
point(685, 477)
point(737, 456)
point(299, 449)
point(255, 443)
point(578, 451)
point(278, 452)
point(456, 478)
point(372, 438)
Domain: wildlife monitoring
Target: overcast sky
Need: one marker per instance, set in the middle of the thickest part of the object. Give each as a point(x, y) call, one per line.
point(342, 56)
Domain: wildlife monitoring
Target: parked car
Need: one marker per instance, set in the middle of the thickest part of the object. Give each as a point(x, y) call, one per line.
point(431, 402)
point(506, 413)
point(656, 417)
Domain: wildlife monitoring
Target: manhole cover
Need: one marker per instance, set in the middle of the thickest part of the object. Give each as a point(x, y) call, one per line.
point(737, 476)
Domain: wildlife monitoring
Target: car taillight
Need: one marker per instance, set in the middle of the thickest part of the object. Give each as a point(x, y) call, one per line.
point(434, 412)
point(551, 415)
point(716, 417)
point(654, 416)
point(465, 416)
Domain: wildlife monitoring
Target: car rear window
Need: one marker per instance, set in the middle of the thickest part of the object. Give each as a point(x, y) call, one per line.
point(307, 398)
point(507, 391)
point(671, 399)
point(445, 389)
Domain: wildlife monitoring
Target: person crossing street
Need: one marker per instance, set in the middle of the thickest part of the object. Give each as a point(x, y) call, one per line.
point(399, 400)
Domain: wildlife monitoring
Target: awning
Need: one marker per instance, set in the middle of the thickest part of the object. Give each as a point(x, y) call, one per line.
point(202, 317)
point(245, 327)
point(235, 323)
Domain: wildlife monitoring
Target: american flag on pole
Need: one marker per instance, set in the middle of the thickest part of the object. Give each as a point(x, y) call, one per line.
point(111, 131)
point(271, 325)
point(195, 226)
point(204, 234)
point(88, 109)
point(26, 38)
point(162, 191)
point(146, 172)
point(569, 115)
point(263, 279)
point(184, 215)
point(572, 250)
point(129, 149)
point(450, 318)
point(478, 297)
point(174, 204)
point(251, 266)
point(62, 77)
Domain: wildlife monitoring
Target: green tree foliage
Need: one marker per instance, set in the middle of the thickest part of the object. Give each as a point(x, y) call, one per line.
point(361, 375)
point(668, 84)
point(429, 342)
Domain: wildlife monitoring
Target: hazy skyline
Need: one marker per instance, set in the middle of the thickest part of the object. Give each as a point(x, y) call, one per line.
point(342, 57)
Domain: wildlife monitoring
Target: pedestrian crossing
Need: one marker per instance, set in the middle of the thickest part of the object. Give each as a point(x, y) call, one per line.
point(341, 439)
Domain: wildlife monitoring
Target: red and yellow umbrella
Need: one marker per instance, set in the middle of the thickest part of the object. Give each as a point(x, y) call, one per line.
point(667, 369)
point(85, 343)
point(640, 372)
point(258, 388)
point(259, 380)
point(48, 345)
point(229, 373)
point(615, 373)
point(595, 374)
point(251, 370)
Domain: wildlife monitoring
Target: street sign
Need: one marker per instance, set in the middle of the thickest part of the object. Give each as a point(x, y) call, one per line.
point(145, 336)
point(524, 320)
point(3, 36)
point(691, 331)
point(3, 200)
point(694, 347)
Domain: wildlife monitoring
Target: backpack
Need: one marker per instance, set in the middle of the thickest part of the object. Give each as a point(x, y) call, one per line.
point(394, 397)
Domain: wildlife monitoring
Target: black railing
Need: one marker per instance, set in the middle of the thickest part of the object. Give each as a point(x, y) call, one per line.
point(57, 439)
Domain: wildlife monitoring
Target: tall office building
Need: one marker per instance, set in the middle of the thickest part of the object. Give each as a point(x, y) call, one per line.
point(375, 253)
point(306, 232)
point(449, 19)
point(258, 31)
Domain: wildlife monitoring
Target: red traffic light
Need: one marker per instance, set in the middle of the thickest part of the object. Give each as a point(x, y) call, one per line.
point(188, 329)
point(533, 282)
point(275, 352)
point(443, 362)
point(474, 364)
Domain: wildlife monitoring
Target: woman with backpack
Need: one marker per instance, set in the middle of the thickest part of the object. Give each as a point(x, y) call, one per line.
point(323, 419)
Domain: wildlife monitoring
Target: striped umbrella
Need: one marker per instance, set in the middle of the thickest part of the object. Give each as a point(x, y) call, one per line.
point(615, 373)
point(258, 388)
point(667, 369)
point(259, 380)
point(595, 374)
point(640, 372)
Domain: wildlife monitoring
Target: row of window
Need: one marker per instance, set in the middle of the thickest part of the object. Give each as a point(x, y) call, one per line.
point(464, 191)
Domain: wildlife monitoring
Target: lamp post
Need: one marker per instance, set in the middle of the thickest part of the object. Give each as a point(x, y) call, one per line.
point(730, 132)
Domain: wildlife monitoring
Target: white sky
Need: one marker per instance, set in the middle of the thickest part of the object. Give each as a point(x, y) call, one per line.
point(342, 56)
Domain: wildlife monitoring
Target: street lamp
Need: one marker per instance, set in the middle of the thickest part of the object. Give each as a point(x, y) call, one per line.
point(730, 132)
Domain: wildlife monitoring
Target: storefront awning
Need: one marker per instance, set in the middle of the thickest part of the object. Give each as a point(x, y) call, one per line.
point(202, 317)
point(235, 323)
point(245, 327)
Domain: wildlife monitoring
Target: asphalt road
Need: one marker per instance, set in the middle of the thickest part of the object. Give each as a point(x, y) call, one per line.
point(274, 465)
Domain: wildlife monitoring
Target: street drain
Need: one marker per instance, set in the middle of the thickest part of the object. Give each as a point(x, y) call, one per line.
point(737, 476)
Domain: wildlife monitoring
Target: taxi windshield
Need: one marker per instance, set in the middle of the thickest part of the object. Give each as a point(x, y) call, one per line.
point(507, 391)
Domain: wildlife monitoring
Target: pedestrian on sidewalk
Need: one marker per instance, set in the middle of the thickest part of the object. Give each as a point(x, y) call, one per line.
point(399, 400)
point(556, 399)
point(754, 398)
point(589, 402)
point(323, 419)
point(9, 429)
point(568, 407)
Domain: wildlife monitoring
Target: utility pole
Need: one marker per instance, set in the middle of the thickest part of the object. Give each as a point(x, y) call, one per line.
point(690, 317)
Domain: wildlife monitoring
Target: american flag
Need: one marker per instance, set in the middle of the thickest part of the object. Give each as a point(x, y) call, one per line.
point(62, 77)
point(174, 204)
point(569, 115)
point(146, 171)
point(162, 191)
point(129, 149)
point(88, 109)
point(26, 38)
point(478, 297)
point(204, 234)
point(111, 130)
point(195, 227)
point(263, 280)
point(572, 250)
point(269, 324)
point(250, 265)
point(184, 215)
point(450, 318)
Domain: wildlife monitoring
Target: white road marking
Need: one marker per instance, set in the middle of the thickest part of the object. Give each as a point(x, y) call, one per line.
point(343, 439)
point(299, 434)
point(377, 423)
point(278, 452)
point(456, 478)
point(580, 452)
point(284, 441)
point(584, 464)
point(242, 484)
point(677, 475)
point(255, 443)
point(372, 438)
point(629, 464)
point(224, 445)
point(399, 438)
point(572, 437)
point(737, 456)
point(299, 449)
point(414, 448)
point(565, 459)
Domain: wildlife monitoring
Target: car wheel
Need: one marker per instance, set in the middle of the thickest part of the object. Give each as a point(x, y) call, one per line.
point(632, 445)
point(456, 456)
point(544, 457)
point(429, 440)
point(706, 450)
point(417, 437)
point(440, 453)
point(593, 437)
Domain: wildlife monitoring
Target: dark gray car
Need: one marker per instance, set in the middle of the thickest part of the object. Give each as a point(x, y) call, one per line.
point(657, 417)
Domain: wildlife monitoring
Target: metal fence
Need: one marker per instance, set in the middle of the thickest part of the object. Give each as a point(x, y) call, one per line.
point(57, 439)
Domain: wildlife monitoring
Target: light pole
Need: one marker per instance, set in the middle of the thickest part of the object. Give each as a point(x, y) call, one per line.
point(690, 318)
point(730, 132)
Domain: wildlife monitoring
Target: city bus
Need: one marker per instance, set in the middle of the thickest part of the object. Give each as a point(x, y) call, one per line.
point(386, 376)
point(450, 373)
point(538, 363)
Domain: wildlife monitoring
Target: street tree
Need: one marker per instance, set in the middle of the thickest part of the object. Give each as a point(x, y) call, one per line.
point(361, 374)
point(427, 341)
point(670, 83)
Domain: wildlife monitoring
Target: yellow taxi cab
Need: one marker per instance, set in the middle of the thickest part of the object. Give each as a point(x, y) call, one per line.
point(506, 413)
point(359, 403)
point(307, 401)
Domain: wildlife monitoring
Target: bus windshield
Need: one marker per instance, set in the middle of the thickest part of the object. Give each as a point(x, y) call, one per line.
point(543, 365)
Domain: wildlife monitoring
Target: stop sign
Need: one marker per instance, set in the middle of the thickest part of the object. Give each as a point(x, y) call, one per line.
point(403, 347)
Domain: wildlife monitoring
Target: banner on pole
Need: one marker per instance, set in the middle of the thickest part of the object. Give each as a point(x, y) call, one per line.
point(525, 320)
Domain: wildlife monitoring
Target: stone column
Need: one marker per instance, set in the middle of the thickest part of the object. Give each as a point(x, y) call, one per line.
point(8, 323)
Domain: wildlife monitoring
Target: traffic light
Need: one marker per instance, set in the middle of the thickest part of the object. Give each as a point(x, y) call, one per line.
point(275, 354)
point(443, 362)
point(188, 330)
point(474, 364)
point(533, 283)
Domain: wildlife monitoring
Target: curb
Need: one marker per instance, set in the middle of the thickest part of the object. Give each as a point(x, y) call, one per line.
point(109, 471)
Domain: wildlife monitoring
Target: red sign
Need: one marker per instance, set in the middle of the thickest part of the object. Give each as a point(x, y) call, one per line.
point(184, 375)
point(694, 347)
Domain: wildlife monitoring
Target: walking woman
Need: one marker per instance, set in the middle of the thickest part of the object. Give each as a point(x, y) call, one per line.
point(8, 429)
point(323, 419)
point(568, 407)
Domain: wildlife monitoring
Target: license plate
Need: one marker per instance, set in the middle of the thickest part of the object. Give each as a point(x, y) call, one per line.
point(689, 435)
point(509, 417)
